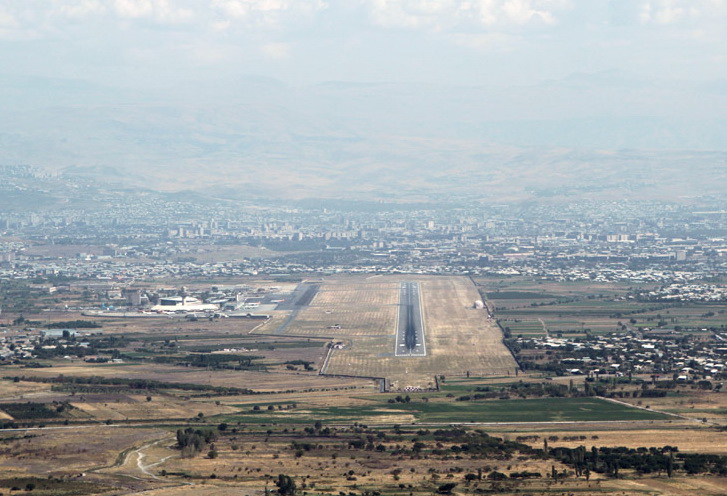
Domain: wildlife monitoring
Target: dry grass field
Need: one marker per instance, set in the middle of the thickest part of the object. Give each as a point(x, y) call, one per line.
point(459, 339)
point(691, 403)
point(251, 463)
point(360, 309)
point(172, 325)
point(10, 390)
point(64, 451)
point(248, 463)
point(257, 381)
point(160, 407)
point(689, 438)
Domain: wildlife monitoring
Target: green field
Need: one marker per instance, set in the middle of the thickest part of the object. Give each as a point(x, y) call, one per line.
point(527, 328)
point(531, 410)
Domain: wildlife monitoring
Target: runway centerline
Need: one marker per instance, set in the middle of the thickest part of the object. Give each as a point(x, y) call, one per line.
point(410, 324)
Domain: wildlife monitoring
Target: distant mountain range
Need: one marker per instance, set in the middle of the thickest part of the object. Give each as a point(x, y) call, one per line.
point(590, 135)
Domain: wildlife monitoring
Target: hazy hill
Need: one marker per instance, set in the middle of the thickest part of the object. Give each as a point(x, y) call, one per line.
point(588, 135)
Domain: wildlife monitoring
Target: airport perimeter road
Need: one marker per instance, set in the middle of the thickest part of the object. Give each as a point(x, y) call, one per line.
point(410, 325)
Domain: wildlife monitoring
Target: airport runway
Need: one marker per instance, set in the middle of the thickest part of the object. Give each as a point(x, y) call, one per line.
point(410, 325)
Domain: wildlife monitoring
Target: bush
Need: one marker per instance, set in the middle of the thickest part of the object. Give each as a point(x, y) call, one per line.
point(446, 488)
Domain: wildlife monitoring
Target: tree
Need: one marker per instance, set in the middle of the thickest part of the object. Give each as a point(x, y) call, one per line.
point(446, 488)
point(286, 485)
point(192, 441)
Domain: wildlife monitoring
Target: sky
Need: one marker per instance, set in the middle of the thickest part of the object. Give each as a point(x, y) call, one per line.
point(152, 43)
point(150, 86)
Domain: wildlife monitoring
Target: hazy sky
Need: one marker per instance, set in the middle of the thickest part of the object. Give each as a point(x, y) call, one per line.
point(154, 42)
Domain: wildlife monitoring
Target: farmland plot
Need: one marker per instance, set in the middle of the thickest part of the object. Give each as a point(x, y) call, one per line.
point(257, 381)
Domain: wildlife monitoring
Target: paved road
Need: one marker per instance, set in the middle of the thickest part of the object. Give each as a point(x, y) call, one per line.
point(410, 326)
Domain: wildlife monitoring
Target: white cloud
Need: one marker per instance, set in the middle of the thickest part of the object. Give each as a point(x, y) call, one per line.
point(368, 39)
point(161, 11)
point(19, 22)
point(411, 13)
point(133, 9)
point(81, 8)
point(668, 12)
point(453, 16)
point(524, 11)
point(264, 13)
point(457, 14)
point(276, 50)
point(235, 9)
point(7, 20)
point(40, 16)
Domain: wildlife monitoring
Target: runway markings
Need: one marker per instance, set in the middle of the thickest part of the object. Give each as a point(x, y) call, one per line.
point(410, 323)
